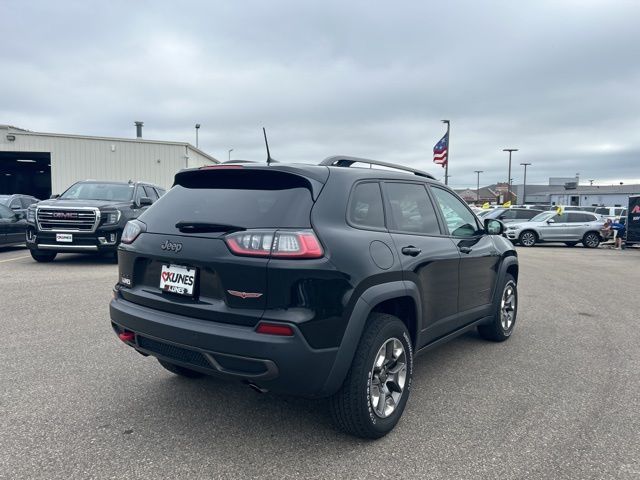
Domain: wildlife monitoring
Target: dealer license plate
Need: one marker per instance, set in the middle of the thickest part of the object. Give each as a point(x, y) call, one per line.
point(64, 237)
point(178, 279)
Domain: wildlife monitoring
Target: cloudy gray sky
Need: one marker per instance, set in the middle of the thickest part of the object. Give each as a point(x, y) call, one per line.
point(560, 79)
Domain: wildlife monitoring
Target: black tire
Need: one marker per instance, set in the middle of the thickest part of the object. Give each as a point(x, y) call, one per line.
point(43, 256)
point(499, 330)
point(352, 406)
point(591, 240)
point(528, 238)
point(182, 371)
point(570, 244)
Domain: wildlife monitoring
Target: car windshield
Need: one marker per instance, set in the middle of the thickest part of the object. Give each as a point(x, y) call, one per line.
point(543, 217)
point(114, 192)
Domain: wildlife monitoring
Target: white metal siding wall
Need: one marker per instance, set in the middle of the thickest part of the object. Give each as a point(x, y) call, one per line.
point(608, 200)
point(74, 159)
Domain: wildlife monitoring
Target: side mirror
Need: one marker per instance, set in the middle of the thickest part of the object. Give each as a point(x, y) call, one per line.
point(493, 227)
point(145, 201)
point(55, 195)
point(551, 220)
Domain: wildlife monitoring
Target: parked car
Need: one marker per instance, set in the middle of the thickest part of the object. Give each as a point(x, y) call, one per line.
point(511, 215)
point(613, 213)
point(12, 227)
point(18, 203)
point(312, 280)
point(89, 217)
point(569, 227)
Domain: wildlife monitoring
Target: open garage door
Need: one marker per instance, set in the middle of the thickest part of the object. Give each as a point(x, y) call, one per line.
point(28, 173)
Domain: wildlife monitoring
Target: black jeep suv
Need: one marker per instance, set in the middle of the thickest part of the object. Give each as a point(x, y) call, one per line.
point(313, 280)
point(88, 217)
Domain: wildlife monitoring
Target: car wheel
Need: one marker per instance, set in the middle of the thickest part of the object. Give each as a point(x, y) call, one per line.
point(182, 371)
point(591, 240)
point(376, 389)
point(42, 256)
point(528, 238)
point(570, 244)
point(504, 318)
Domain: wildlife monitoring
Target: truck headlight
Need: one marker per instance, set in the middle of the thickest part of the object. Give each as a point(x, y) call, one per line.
point(31, 215)
point(111, 217)
point(512, 228)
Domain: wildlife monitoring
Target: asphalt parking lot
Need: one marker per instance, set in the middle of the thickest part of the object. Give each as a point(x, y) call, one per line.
point(560, 399)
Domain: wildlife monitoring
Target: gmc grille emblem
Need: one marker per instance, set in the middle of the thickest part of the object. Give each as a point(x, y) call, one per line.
point(65, 215)
point(170, 246)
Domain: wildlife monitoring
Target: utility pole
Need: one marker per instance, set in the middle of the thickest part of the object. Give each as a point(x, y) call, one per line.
point(524, 187)
point(510, 150)
point(197, 128)
point(446, 166)
point(229, 153)
point(478, 172)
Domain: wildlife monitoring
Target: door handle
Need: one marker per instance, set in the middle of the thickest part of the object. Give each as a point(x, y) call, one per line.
point(465, 249)
point(411, 251)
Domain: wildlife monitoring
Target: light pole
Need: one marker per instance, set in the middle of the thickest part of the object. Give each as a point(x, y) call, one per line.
point(229, 153)
point(524, 187)
point(510, 150)
point(197, 128)
point(478, 172)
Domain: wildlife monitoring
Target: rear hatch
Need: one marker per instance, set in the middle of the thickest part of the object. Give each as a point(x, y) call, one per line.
point(193, 229)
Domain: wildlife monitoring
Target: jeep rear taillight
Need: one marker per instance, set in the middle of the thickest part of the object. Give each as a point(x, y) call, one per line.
point(275, 244)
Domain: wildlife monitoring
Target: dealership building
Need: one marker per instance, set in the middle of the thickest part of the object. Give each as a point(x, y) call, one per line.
point(40, 164)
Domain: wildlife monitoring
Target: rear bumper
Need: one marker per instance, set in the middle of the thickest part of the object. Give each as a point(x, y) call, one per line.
point(280, 364)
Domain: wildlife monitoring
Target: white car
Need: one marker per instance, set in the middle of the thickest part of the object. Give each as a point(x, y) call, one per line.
point(570, 228)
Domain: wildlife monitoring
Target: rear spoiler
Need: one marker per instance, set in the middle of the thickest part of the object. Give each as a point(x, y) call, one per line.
point(253, 176)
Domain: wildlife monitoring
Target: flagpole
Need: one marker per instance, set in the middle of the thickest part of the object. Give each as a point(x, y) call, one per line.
point(446, 166)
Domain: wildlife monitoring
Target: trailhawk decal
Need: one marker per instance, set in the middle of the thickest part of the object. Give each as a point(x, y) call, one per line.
point(236, 293)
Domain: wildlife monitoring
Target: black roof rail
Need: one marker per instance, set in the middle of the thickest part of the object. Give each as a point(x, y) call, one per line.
point(345, 161)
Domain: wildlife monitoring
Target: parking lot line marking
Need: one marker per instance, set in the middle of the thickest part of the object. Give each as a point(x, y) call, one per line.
point(16, 258)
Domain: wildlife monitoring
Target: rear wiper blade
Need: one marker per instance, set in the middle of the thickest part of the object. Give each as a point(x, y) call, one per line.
point(202, 227)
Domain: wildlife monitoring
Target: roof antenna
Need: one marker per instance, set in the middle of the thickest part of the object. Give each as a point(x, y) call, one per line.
point(266, 142)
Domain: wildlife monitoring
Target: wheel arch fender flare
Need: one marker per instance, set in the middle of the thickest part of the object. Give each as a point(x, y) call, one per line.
point(509, 263)
point(357, 323)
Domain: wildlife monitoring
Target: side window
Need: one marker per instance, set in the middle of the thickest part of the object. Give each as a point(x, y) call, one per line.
point(411, 209)
point(5, 213)
point(575, 218)
point(460, 221)
point(150, 192)
point(602, 211)
point(561, 218)
point(365, 206)
point(15, 203)
point(508, 214)
point(528, 214)
point(160, 191)
point(139, 194)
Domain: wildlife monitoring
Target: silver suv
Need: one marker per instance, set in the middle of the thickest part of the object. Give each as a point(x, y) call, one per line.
point(570, 228)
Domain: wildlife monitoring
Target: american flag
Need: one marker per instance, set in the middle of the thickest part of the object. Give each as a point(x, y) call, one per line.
point(441, 151)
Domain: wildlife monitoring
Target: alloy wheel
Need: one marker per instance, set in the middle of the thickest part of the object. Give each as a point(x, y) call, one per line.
point(508, 306)
point(388, 377)
point(528, 239)
point(591, 240)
